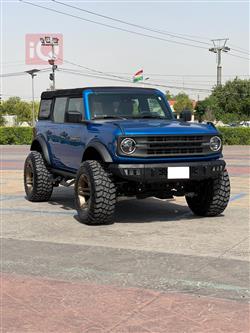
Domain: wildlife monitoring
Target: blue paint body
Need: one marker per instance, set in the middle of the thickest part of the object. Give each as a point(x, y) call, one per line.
point(67, 142)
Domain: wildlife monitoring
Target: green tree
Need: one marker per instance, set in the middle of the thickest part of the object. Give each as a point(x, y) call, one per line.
point(232, 100)
point(9, 106)
point(2, 122)
point(182, 102)
point(207, 109)
point(169, 95)
point(200, 109)
point(21, 109)
point(23, 113)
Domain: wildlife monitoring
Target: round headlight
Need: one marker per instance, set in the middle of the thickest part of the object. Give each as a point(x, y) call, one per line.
point(215, 143)
point(128, 146)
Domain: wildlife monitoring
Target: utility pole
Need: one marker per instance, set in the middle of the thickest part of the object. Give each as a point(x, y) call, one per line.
point(33, 72)
point(51, 41)
point(219, 46)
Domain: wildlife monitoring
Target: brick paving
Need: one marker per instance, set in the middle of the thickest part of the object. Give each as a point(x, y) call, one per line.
point(157, 269)
point(41, 305)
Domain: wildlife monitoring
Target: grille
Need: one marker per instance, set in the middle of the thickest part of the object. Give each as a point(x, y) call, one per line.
point(171, 146)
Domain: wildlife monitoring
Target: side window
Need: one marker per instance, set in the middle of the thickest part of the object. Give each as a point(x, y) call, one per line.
point(45, 107)
point(59, 109)
point(155, 106)
point(75, 110)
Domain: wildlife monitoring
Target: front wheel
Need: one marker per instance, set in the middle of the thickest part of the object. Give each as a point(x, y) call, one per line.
point(212, 196)
point(95, 194)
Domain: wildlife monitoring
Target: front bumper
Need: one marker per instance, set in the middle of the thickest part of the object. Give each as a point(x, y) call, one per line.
point(148, 173)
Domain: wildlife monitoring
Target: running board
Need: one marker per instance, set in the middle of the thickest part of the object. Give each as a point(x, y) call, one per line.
point(63, 173)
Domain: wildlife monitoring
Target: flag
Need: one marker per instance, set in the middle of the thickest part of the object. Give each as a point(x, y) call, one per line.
point(138, 76)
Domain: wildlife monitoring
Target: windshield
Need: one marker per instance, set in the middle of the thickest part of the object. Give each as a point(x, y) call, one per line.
point(124, 106)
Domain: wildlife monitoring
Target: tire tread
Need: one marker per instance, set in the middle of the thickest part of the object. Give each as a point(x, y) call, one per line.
point(103, 196)
point(42, 188)
point(215, 200)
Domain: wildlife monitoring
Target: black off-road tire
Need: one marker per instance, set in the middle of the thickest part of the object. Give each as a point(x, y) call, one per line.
point(212, 197)
point(37, 178)
point(100, 194)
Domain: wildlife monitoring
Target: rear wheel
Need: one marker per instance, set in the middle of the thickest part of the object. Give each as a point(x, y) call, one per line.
point(212, 197)
point(37, 178)
point(95, 194)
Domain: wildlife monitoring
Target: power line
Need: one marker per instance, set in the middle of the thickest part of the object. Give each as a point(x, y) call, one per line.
point(240, 48)
point(91, 69)
point(120, 78)
point(120, 29)
point(183, 82)
point(12, 74)
point(128, 79)
point(153, 84)
point(239, 51)
point(107, 74)
point(167, 33)
point(22, 73)
point(183, 75)
point(174, 35)
point(237, 56)
point(112, 27)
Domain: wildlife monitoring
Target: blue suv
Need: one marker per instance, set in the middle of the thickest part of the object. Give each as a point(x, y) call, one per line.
point(123, 141)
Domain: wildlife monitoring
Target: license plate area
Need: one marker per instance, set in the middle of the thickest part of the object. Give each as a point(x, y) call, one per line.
point(178, 172)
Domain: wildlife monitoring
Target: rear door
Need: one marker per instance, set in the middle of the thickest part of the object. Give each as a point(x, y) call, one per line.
point(56, 136)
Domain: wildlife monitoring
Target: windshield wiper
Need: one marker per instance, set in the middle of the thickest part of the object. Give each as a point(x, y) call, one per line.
point(109, 117)
point(149, 117)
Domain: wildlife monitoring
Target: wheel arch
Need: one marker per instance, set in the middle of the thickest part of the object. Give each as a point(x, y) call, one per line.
point(98, 152)
point(39, 144)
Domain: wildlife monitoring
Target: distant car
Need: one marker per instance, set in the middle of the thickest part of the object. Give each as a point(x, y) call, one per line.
point(245, 124)
point(118, 141)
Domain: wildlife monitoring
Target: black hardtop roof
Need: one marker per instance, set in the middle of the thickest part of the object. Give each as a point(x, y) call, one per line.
point(79, 91)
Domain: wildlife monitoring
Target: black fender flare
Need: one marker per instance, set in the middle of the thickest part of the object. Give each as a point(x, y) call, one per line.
point(102, 150)
point(39, 140)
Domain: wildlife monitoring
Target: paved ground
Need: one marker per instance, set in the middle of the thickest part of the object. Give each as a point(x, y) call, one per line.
point(157, 269)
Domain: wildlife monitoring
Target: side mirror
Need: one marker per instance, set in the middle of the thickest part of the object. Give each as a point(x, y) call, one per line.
point(186, 115)
point(74, 117)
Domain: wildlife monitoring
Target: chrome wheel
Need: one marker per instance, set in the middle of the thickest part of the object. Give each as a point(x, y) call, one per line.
point(83, 191)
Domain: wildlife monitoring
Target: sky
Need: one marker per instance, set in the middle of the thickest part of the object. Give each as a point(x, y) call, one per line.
point(122, 53)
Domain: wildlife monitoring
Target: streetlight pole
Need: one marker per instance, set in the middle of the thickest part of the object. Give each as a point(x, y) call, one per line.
point(32, 73)
point(219, 46)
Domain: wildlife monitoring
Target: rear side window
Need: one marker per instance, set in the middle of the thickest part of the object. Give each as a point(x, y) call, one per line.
point(45, 107)
point(59, 109)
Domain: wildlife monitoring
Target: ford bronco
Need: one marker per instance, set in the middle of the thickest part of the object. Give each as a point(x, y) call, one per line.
point(123, 141)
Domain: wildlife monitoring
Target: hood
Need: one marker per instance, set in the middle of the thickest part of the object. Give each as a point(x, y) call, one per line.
point(163, 127)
